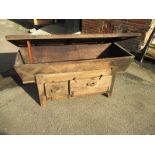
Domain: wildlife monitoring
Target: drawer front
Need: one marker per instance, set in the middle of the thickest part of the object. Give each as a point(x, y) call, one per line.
point(70, 84)
point(87, 86)
point(56, 90)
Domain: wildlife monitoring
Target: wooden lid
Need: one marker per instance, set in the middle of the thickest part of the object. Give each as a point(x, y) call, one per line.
point(20, 40)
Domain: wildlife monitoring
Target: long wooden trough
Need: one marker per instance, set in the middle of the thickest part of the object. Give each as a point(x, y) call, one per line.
point(70, 65)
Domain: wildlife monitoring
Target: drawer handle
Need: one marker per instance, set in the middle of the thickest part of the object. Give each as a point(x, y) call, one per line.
point(92, 83)
point(100, 77)
point(55, 90)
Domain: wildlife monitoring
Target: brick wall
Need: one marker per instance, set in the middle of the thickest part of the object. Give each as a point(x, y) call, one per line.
point(119, 26)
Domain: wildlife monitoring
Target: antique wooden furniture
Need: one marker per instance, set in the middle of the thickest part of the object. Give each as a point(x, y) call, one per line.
point(66, 66)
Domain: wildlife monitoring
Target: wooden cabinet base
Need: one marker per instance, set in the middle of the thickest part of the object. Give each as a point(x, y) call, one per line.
point(74, 84)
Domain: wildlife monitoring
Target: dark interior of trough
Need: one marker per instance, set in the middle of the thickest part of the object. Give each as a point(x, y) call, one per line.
point(72, 52)
point(113, 51)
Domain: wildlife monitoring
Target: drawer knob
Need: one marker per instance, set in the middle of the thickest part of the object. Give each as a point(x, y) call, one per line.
point(100, 77)
point(55, 90)
point(92, 83)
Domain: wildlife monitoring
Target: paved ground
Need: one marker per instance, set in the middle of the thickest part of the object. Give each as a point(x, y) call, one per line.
point(130, 110)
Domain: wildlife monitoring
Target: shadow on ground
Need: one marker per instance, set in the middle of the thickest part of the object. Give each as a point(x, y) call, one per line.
point(149, 64)
point(9, 78)
point(31, 89)
point(23, 22)
point(7, 61)
point(3, 133)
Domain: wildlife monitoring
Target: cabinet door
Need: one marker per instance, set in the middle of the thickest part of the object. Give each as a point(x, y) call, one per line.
point(56, 90)
point(90, 86)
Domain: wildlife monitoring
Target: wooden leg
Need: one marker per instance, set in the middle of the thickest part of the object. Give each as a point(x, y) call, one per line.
point(109, 93)
point(43, 100)
point(40, 85)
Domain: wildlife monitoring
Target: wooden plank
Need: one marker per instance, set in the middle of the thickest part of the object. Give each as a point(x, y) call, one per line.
point(90, 86)
point(56, 90)
point(70, 36)
point(58, 77)
point(27, 71)
point(73, 52)
point(63, 53)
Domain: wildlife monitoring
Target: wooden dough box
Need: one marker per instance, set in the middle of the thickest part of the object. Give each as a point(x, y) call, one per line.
point(70, 65)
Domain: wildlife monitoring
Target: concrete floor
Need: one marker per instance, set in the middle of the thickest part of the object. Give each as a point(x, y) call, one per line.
point(130, 110)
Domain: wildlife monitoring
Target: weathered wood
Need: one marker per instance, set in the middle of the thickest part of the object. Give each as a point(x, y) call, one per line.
point(57, 90)
point(57, 77)
point(41, 92)
point(66, 66)
point(63, 53)
point(27, 71)
point(89, 86)
point(20, 40)
point(71, 36)
point(29, 51)
point(72, 84)
point(120, 60)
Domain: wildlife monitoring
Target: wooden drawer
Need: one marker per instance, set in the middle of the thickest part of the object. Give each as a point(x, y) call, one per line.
point(56, 90)
point(72, 84)
point(88, 86)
